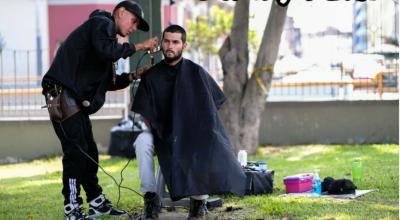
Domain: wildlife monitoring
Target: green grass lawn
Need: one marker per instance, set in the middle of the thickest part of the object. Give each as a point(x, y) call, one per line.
point(33, 190)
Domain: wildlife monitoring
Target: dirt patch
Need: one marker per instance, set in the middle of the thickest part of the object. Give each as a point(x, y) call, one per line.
point(223, 213)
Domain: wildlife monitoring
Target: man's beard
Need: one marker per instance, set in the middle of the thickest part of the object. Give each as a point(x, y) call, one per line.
point(174, 58)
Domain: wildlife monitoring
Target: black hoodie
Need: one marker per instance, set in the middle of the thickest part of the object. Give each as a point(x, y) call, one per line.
point(84, 62)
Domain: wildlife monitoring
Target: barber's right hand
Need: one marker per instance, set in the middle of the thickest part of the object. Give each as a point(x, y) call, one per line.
point(149, 44)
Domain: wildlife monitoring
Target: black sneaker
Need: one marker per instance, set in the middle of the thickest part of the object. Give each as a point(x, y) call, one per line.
point(75, 212)
point(101, 206)
point(197, 209)
point(152, 205)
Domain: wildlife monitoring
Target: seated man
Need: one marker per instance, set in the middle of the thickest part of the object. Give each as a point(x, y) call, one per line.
point(180, 102)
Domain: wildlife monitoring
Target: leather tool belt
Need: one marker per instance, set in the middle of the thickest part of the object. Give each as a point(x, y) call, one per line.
point(60, 104)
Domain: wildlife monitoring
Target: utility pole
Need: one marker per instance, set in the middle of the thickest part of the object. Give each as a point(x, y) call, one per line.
point(396, 21)
point(208, 60)
point(38, 43)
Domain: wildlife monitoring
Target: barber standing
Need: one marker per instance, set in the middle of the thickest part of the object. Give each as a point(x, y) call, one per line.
point(75, 87)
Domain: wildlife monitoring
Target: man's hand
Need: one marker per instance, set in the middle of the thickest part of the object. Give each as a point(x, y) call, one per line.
point(148, 44)
point(147, 122)
point(122, 40)
point(137, 74)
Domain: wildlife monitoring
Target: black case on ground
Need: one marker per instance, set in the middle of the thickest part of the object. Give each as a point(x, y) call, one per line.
point(121, 143)
point(258, 182)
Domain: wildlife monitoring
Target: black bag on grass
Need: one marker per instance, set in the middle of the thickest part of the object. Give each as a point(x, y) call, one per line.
point(259, 182)
point(339, 186)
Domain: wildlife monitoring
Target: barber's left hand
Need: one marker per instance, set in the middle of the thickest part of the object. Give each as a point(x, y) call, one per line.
point(122, 40)
point(148, 44)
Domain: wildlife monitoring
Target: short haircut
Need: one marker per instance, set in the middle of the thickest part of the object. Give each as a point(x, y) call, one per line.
point(120, 5)
point(116, 8)
point(176, 29)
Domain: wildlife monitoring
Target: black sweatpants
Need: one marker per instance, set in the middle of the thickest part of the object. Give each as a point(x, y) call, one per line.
point(78, 169)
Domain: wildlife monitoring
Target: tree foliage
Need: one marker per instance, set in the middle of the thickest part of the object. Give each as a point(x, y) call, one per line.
point(205, 35)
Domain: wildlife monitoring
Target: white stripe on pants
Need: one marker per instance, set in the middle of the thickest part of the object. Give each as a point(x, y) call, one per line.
point(72, 191)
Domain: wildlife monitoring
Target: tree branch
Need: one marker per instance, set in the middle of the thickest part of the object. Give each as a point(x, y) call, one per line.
point(268, 53)
point(234, 53)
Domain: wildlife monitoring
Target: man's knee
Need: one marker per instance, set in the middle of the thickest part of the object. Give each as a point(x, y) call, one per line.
point(144, 144)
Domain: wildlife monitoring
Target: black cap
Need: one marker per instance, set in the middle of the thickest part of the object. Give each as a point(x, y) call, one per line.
point(135, 9)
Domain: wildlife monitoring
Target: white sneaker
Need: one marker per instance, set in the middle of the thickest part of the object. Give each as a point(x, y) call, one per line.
point(101, 206)
point(75, 212)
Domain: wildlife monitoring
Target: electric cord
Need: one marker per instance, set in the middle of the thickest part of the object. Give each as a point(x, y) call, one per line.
point(94, 161)
point(133, 124)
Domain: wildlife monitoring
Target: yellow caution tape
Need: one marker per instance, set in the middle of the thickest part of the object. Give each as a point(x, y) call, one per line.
point(260, 82)
point(264, 69)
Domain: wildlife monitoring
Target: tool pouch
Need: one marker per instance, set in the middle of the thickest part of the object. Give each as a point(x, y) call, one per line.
point(60, 104)
point(53, 102)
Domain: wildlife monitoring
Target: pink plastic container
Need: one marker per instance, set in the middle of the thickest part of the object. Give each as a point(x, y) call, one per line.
point(298, 183)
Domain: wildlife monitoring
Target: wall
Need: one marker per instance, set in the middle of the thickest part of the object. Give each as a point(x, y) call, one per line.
point(283, 123)
point(352, 122)
point(25, 140)
point(22, 23)
point(65, 16)
point(18, 26)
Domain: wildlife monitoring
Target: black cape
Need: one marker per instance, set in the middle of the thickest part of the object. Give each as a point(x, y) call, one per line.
point(196, 158)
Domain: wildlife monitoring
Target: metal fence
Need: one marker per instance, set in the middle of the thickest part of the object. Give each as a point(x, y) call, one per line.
point(23, 103)
point(21, 99)
point(20, 90)
point(383, 86)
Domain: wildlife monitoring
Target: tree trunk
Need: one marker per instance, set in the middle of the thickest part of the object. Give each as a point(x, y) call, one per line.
point(246, 96)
